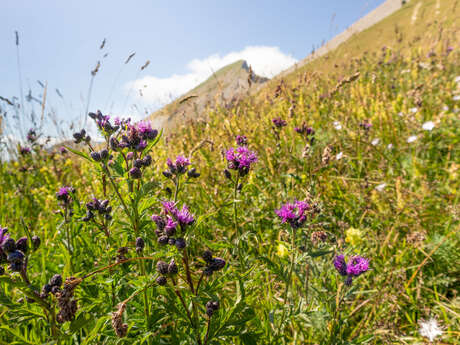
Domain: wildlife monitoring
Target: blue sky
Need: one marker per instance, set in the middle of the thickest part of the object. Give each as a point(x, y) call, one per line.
point(59, 44)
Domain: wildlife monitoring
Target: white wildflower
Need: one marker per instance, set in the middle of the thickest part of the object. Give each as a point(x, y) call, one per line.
point(428, 126)
point(390, 146)
point(445, 108)
point(456, 98)
point(339, 156)
point(337, 125)
point(457, 79)
point(401, 114)
point(411, 139)
point(430, 329)
point(375, 142)
point(381, 187)
point(413, 110)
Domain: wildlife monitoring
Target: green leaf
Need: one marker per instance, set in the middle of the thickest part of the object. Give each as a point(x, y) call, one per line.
point(81, 154)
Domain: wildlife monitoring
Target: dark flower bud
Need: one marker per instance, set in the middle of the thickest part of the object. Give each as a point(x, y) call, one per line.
point(88, 139)
point(217, 264)
point(180, 243)
point(167, 174)
point(104, 154)
point(92, 115)
point(36, 242)
point(56, 280)
point(209, 311)
point(161, 280)
point(16, 266)
point(88, 217)
point(140, 244)
point(96, 156)
point(108, 217)
point(21, 244)
point(114, 144)
point(172, 267)
point(130, 155)
point(135, 173)
point(9, 245)
point(162, 267)
point(214, 305)
point(138, 163)
point(227, 174)
point(163, 239)
point(55, 290)
point(104, 203)
point(147, 160)
point(15, 256)
point(108, 209)
point(192, 173)
point(170, 231)
point(46, 289)
point(168, 191)
point(171, 241)
point(239, 187)
point(207, 256)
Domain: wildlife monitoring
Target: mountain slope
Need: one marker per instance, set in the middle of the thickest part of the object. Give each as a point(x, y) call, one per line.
point(224, 87)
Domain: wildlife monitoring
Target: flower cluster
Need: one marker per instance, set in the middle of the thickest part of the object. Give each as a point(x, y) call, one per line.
point(365, 125)
point(103, 122)
point(170, 219)
point(13, 252)
point(211, 307)
point(32, 136)
point(179, 167)
point(278, 122)
point(134, 136)
point(102, 207)
point(101, 156)
point(53, 286)
point(212, 264)
point(24, 150)
point(81, 136)
point(306, 132)
point(241, 140)
point(295, 214)
point(240, 159)
point(165, 269)
point(64, 195)
point(356, 266)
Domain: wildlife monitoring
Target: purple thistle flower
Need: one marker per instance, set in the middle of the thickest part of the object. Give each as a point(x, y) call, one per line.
point(240, 159)
point(170, 227)
point(184, 217)
point(179, 166)
point(365, 125)
point(63, 150)
point(241, 140)
point(146, 131)
point(279, 122)
point(355, 267)
point(142, 145)
point(304, 130)
point(24, 150)
point(63, 194)
point(294, 213)
point(3, 234)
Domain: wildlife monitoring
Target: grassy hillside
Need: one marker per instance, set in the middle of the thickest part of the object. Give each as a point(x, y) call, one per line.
point(371, 145)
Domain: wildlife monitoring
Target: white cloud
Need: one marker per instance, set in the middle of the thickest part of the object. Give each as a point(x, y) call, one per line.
point(265, 61)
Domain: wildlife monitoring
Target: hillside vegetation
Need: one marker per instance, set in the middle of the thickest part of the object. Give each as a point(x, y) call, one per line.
point(366, 152)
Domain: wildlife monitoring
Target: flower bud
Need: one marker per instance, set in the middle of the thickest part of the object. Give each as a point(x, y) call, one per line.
point(161, 280)
point(140, 244)
point(172, 267)
point(36, 242)
point(162, 267)
point(171, 241)
point(56, 280)
point(15, 256)
point(180, 243)
point(192, 173)
point(217, 264)
point(227, 174)
point(96, 156)
point(138, 163)
point(147, 160)
point(104, 154)
point(167, 174)
point(130, 155)
point(163, 239)
point(207, 256)
point(21, 244)
point(9, 245)
point(135, 173)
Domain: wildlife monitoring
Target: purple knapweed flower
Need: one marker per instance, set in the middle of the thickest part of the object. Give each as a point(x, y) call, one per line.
point(241, 140)
point(294, 213)
point(25, 150)
point(3, 235)
point(31, 136)
point(183, 217)
point(365, 125)
point(279, 122)
point(179, 166)
point(304, 130)
point(62, 150)
point(356, 266)
point(146, 131)
point(240, 159)
point(64, 194)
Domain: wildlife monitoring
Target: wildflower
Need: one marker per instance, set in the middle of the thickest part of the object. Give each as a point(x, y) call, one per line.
point(318, 237)
point(390, 146)
point(24, 151)
point(66, 303)
point(170, 227)
point(120, 328)
point(62, 150)
point(180, 243)
point(192, 173)
point(279, 122)
point(241, 140)
point(35, 242)
point(413, 110)
point(282, 250)
point(21, 245)
point(172, 267)
point(353, 236)
point(162, 267)
point(430, 329)
point(411, 139)
point(31, 136)
point(8, 245)
point(445, 108)
point(140, 244)
point(375, 142)
point(96, 156)
point(135, 173)
point(240, 159)
point(400, 114)
point(457, 79)
point(381, 187)
point(3, 234)
point(337, 125)
point(63, 194)
point(356, 266)
point(294, 213)
point(161, 280)
point(428, 126)
point(179, 166)
point(305, 130)
point(211, 307)
point(456, 98)
point(339, 156)
point(365, 125)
